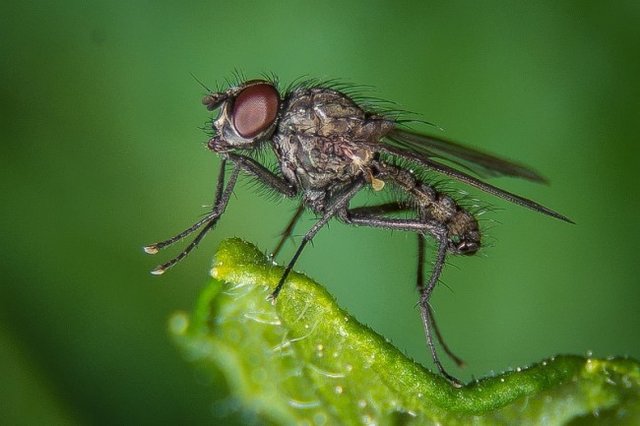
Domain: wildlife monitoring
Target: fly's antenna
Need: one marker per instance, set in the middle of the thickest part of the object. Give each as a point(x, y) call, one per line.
point(200, 82)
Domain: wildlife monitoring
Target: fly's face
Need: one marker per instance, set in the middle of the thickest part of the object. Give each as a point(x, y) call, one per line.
point(248, 115)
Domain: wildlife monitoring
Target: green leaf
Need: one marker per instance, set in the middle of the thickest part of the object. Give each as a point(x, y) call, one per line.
point(304, 360)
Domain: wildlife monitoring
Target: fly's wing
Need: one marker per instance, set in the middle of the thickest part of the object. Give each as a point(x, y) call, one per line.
point(429, 163)
point(480, 163)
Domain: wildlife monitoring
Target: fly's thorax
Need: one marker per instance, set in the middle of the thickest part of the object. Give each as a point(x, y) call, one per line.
point(321, 112)
point(324, 138)
point(325, 112)
point(321, 162)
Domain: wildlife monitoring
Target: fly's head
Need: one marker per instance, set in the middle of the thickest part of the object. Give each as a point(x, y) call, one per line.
point(248, 115)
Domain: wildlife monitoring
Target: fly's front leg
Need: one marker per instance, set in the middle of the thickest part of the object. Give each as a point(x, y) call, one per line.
point(264, 175)
point(154, 248)
point(277, 183)
point(223, 193)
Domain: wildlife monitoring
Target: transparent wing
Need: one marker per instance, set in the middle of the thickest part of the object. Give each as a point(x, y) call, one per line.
point(480, 163)
point(428, 163)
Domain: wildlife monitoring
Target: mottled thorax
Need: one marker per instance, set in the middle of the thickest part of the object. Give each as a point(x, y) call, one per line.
point(324, 137)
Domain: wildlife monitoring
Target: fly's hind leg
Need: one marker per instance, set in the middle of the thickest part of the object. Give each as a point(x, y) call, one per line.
point(421, 226)
point(420, 285)
point(395, 207)
point(425, 198)
point(425, 309)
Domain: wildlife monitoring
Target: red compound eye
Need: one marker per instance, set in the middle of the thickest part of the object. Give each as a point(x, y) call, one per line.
point(255, 109)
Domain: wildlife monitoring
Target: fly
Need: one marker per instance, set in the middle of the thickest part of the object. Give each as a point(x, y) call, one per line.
point(329, 147)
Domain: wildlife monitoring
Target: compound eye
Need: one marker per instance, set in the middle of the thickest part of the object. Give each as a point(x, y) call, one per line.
point(255, 109)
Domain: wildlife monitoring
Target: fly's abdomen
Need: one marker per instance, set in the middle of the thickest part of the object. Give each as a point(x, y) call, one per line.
point(461, 226)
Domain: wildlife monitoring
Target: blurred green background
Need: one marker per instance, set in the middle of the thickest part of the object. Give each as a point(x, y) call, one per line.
point(102, 153)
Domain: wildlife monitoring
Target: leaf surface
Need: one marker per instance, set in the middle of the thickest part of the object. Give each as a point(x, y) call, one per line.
point(304, 360)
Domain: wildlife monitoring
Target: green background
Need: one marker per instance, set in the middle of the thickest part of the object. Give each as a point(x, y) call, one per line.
point(102, 152)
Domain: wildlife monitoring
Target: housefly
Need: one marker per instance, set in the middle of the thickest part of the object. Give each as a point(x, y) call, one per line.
point(330, 145)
